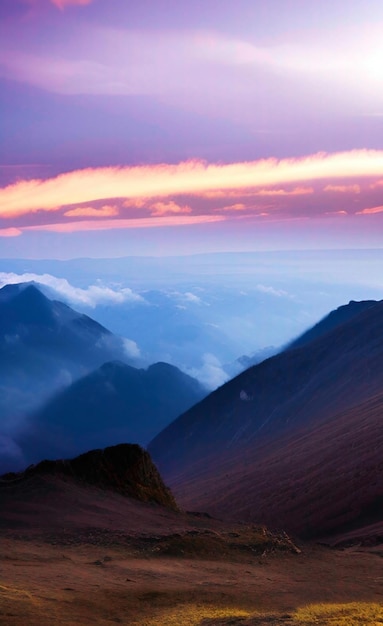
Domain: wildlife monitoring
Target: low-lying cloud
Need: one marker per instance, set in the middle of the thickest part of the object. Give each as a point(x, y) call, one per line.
point(91, 296)
point(211, 373)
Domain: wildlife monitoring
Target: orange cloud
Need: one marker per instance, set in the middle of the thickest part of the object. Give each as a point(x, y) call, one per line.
point(342, 188)
point(145, 222)
point(372, 211)
point(137, 203)
point(88, 211)
point(168, 208)
point(191, 177)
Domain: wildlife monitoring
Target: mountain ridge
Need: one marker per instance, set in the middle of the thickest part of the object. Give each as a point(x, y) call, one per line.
point(264, 412)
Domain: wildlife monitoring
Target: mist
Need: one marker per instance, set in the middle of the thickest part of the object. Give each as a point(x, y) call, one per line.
point(209, 315)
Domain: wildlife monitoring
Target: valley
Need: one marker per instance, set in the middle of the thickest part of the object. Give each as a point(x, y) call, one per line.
point(266, 508)
point(191, 313)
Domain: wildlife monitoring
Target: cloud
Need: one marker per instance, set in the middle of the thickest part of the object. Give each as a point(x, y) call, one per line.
point(233, 207)
point(191, 297)
point(211, 374)
point(145, 222)
point(271, 291)
point(190, 177)
point(377, 184)
point(371, 211)
point(88, 211)
point(342, 188)
point(61, 4)
point(168, 208)
point(186, 298)
point(10, 232)
point(131, 348)
point(297, 191)
point(91, 296)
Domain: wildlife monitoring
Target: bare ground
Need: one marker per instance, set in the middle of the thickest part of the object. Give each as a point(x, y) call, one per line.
point(75, 556)
point(43, 584)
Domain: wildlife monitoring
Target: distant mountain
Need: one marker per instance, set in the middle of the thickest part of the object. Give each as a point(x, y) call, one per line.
point(113, 404)
point(35, 330)
point(282, 443)
point(248, 360)
point(44, 346)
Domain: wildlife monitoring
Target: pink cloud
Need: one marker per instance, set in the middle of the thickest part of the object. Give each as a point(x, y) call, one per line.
point(246, 193)
point(10, 232)
point(342, 188)
point(168, 208)
point(377, 184)
point(88, 211)
point(145, 222)
point(61, 4)
point(371, 211)
point(233, 207)
point(297, 191)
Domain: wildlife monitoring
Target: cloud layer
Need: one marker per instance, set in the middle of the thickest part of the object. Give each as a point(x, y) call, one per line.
point(193, 192)
point(91, 296)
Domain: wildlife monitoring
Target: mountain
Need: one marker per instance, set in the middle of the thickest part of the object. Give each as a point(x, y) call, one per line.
point(248, 360)
point(285, 442)
point(113, 404)
point(335, 318)
point(35, 330)
point(44, 345)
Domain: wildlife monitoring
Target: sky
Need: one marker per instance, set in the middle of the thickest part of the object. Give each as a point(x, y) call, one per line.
point(168, 127)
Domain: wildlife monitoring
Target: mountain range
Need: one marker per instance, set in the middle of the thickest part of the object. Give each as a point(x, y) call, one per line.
point(293, 442)
point(115, 403)
point(68, 384)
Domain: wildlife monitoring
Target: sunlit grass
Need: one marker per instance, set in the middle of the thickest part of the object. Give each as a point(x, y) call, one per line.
point(189, 615)
point(351, 614)
point(13, 592)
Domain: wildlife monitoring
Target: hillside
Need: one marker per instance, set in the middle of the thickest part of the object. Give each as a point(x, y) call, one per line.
point(283, 431)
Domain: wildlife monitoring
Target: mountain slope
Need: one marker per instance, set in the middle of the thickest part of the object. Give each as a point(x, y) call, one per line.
point(113, 404)
point(261, 414)
point(316, 482)
point(334, 319)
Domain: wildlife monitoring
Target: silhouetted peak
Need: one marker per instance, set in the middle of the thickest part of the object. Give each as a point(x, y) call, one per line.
point(125, 468)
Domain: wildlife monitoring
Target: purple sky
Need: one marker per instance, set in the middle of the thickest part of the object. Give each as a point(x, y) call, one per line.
point(164, 126)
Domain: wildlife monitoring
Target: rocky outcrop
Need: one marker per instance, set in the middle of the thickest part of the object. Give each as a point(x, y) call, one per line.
point(126, 469)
